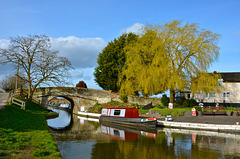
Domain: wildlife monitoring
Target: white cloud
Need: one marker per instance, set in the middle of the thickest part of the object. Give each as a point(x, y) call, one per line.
point(85, 75)
point(4, 43)
point(135, 28)
point(77, 73)
point(82, 52)
point(6, 69)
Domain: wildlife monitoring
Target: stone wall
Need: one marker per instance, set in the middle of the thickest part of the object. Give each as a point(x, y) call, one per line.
point(137, 100)
point(86, 97)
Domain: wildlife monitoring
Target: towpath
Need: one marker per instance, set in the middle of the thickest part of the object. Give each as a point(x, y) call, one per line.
point(3, 99)
point(223, 120)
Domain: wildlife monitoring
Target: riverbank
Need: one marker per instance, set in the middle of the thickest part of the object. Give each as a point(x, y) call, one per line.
point(25, 134)
point(212, 123)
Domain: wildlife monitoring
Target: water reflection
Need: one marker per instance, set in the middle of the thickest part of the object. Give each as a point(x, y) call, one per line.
point(87, 138)
point(123, 133)
point(62, 121)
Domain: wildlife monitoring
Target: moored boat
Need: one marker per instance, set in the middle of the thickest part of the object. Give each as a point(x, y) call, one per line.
point(126, 116)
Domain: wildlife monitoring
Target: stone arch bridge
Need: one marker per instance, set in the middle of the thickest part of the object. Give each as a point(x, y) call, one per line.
point(76, 96)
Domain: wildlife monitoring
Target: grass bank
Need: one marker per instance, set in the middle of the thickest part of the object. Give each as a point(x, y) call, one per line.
point(25, 134)
point(97, 108)
point(163, 110)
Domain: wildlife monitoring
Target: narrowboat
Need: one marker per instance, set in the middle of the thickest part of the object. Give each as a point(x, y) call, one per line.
point(127, 117)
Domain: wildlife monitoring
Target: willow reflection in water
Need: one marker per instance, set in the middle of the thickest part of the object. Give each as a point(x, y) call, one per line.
point(89, 139)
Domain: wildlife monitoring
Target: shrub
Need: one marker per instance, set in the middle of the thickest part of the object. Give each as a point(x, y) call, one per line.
point(2, 153)
point(165, 100)
point(160, 106)
point(136, 106)
point(91, 109)
point(99, 109)
point(198, 108)
point(181, 100)
point(192, 102)
point(186, 103)
point(229, 109)
point(123, 98)
point(176, 105)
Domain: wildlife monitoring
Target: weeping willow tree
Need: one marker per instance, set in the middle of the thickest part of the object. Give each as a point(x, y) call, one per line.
point(168, 57)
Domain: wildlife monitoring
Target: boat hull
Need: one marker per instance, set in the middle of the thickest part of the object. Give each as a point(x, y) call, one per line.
point(131, 122)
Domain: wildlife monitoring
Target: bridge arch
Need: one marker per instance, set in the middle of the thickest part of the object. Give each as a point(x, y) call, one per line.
point(77, 96)
point(69, 99)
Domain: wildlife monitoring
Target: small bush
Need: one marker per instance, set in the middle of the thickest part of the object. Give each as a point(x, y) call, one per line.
point(135, 106)
point(176, 105)
point(91, 109)
point(181, 100)
point(160, 106)
point(2, 153)
point(229, 109)
point(123, 98)
point(198, 108)
point(165, 100)
point(192, 102)
point(99, 109)
point(186, 103)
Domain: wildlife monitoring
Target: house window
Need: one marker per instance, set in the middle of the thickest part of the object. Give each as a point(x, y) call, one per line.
point(226, 94)
point(211, 95)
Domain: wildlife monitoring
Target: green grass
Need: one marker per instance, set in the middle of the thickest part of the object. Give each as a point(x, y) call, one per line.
point(25, 134)
point(174, 112)
point(141, 111)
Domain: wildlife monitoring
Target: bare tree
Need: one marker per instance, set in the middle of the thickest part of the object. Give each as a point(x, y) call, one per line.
point(37, 61)
point(8, 83)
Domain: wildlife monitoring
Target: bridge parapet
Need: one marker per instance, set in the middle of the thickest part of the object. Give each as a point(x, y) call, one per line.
point(77, 96)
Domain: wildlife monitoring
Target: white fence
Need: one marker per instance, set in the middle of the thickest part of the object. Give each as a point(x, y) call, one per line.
point(18, 102)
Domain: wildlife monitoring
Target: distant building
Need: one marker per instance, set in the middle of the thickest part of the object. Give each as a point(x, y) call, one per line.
point(61, 100)
point(230, 96)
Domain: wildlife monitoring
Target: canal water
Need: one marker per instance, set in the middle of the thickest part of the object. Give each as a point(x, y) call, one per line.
point(79, 137)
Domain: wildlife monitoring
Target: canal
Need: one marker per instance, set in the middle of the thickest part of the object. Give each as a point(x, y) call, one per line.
point(80, 137)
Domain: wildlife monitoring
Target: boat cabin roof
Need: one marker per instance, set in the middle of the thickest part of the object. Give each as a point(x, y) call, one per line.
point(120, 112)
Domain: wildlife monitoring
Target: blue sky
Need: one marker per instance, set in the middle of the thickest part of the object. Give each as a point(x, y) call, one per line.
point(81, 29)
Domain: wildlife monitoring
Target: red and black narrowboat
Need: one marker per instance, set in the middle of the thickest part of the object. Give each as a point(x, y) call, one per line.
point(126, 116)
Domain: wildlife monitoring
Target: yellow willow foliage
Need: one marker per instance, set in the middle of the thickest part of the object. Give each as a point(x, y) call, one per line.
point(167, 57)
point(144, 71)
point(206, 82)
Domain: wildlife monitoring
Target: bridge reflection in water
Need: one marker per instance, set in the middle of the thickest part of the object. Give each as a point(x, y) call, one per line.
point(87, 138)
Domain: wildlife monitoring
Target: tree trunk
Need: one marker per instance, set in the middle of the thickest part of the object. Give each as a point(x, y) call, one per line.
point(29, 91)
point(172, 96)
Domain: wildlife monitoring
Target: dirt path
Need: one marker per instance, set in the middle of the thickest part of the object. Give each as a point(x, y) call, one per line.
point(3, 99)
